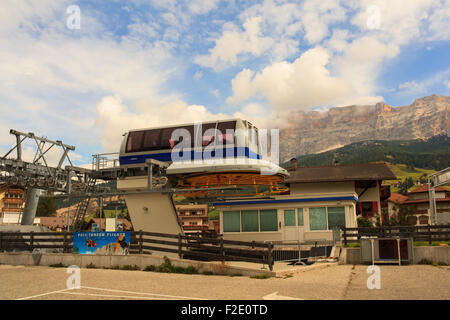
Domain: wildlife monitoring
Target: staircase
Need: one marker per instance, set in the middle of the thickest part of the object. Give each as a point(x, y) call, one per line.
point(83, 206)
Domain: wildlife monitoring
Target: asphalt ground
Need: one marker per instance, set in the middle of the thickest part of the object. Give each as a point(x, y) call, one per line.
point(417, 282)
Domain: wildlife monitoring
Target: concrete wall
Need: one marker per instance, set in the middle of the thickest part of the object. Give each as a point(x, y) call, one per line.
point(142, 261)
point(434, 254)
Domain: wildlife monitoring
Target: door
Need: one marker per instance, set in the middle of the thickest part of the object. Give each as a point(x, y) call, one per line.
point(292, 231)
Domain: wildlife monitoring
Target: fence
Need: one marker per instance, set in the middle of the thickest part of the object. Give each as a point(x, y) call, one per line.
point(427, 233)
point(304, 252)
point(28, 241)
point(141, 242)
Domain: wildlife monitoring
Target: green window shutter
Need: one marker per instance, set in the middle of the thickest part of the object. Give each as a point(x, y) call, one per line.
point(289, 218)
point(269, 220)
point(300, 216)
point(231, 221)
point(336, 217)
point(249, 220)
point(318, 218)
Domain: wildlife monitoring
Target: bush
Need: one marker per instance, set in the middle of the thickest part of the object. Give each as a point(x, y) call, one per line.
point(91, 266)
point(425, 261)
point(57, 265)
point(364, 222)
point(261, 276)
point(167, 267)
point(130, 267)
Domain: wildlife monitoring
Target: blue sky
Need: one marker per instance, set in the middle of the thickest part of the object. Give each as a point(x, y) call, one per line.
point(146, 63)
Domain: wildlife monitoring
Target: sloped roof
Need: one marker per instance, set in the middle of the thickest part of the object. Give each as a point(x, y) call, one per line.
point(424, 188)
point(397, 197)
point(353, 172)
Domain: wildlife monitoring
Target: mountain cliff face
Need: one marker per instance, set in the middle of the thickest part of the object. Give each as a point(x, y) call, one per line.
point(314, 131)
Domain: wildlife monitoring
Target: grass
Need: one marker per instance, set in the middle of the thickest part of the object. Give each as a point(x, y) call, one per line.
point(352, 245)
point(430, 262)
point(261, 276)
point(168, 267)
point(57, 265)
point(402, 172)
point(433, 243)
point(130, 267)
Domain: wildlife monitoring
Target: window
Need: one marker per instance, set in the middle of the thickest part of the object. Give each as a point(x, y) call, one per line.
point(268, 220)
point(250, 220)
point(318, 218)
point(151, 140)
point(226, 134)
point(166, 136)
point(367, 209)
point(289, 218)
point(134, 143)
point(300, 216)
point(231, 221)
point(336, 217)
point(208, 138)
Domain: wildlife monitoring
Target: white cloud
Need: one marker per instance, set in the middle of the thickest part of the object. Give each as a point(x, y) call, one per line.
point(215, 92)
point(201, 6)
point(198, 75)
point(115, 118)
point(415, 88)
point(299, 85)
point(234, 42)
point(317, 16)
point(400, 22)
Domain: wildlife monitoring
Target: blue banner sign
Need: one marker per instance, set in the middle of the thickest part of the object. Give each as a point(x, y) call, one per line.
point(102, 243)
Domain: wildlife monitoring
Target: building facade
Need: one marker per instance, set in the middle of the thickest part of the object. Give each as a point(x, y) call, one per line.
point(418, 202)
point(193, 217)
point(12, 202)
point(320, 199)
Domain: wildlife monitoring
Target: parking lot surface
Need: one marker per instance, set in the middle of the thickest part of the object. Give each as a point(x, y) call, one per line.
point(334, 282)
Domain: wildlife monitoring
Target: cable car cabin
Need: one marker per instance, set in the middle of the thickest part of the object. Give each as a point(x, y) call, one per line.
point(204, 155)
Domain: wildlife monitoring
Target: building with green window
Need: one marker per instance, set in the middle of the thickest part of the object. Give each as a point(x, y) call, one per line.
point(320, 198)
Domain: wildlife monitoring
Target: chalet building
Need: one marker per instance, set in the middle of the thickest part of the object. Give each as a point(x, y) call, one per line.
point(418, 201)
point(194, 218)
point(320, 199)
point(12, 202)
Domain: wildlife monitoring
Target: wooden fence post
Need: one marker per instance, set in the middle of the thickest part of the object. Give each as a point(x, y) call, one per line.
point(65, 249)
point(179, 246)
point(31, 241)
point(270, 252)
point(141, 241)
point(429, 235)
point(222, 251)
point(344, 234)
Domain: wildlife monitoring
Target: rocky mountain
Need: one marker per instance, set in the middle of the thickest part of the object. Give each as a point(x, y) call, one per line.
point(314, 131)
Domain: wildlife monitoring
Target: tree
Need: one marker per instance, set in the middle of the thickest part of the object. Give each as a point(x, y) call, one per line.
point(364, 222)
point(46, 206)
point(403, 216)
point(405, 185)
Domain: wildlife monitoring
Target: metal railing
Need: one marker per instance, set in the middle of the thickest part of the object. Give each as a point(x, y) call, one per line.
point(428, 233)
point(103, 161)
